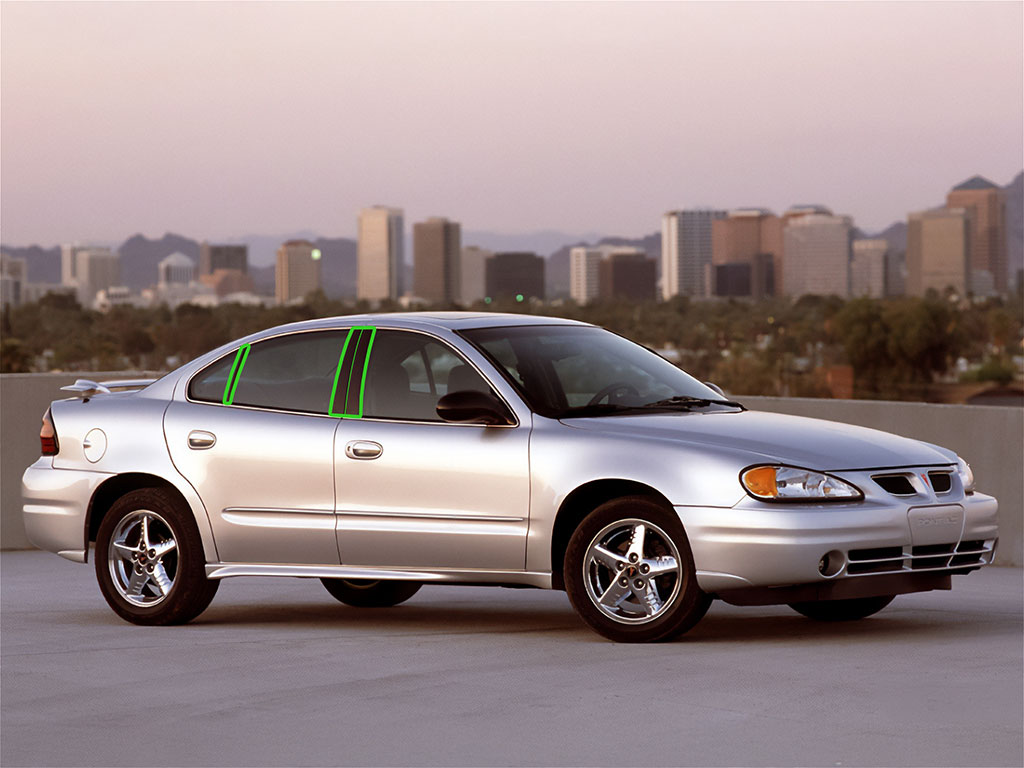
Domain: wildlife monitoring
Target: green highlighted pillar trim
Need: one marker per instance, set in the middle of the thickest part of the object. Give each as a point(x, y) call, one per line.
point(236, 371)
point(350, 406)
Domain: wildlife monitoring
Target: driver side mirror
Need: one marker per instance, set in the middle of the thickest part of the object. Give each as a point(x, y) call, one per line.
point(473, 407)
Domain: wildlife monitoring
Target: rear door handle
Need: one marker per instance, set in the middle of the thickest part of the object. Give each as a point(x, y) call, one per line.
point(363, 449)
point(199, 439)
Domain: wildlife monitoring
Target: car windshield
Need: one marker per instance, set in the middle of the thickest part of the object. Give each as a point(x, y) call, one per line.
point(567, 370)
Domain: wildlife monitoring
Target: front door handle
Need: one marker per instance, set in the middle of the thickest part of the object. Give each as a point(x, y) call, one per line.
point(363, 449)
point(199, 439)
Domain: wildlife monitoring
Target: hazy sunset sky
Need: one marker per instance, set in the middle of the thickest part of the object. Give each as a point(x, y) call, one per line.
point(215, 120)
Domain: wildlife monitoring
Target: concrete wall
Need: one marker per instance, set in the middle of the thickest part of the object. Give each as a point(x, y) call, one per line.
point(24, 398)
point(990, 438)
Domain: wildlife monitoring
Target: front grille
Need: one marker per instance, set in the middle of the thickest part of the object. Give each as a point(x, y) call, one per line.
point(920, 558)
point(942, 482)
point(931, 556)
point(897, 485)
point(877, 560)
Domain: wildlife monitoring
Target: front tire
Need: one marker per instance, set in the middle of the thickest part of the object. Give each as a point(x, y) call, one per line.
point(371, 593)
point(842, 610)
point(150, 562)
point(630, 575)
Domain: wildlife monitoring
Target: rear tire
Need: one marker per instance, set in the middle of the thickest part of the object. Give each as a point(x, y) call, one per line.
point(842, 610)
point(371, 593)
point(150, 563)
point(630, 574)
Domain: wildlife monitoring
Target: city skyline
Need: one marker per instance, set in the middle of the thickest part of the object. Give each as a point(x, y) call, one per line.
point(857, 92)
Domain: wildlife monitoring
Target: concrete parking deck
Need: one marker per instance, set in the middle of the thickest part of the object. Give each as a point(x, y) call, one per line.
point(277, 673)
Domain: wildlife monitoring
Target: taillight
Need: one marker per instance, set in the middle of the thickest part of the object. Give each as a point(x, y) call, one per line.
point(48, 436)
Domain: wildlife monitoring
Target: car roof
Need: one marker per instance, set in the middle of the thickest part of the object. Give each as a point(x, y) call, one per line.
point(423, 320)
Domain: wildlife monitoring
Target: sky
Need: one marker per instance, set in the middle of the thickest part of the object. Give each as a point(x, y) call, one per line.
point(224, 119)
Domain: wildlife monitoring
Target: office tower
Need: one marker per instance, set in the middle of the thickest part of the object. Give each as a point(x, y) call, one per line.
point(473, 277)
point(896, 273)
point(69, 264)
point(89, 270)
point(686, 251)
point(985, 205)
point(214, 257)
point(176, 269)
point(516, 275)
point(297, 273)
point(13, 276)
point(436, 248)
point(379, 259)
point(746, 254)
point(868, 268)
point(584, 274)
point(938, 251)
point(818, 247)
point(627, 273)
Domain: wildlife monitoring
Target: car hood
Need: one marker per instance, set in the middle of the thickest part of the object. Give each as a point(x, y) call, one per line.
point(810, 443)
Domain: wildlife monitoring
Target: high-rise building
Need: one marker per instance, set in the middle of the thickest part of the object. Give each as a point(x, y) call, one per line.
point(516, 275)
point(90, 270)
point(13, 276)
point(609, 272)
point(627, 273)
point(436, 248)
point(686, 251)
point(985, 205)
point(896, 273)
point(297, 273)
point(473, 277)
point(69, 264)
point(584, 273)
point(818, 246)
point(176, 269)
point(938, 251)
point(868, 268)
point(214, 257)
point(746, 254)
point(379, 258)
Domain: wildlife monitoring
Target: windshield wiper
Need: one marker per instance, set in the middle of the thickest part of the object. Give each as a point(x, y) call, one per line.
point(688, 401)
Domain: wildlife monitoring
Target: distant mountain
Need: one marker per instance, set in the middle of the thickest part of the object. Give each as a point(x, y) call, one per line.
point(140, 256)
point(556, 275)
point(337, 267)
point(43, 264)
point(896, 235)
point(263, 248)
point(543, 242)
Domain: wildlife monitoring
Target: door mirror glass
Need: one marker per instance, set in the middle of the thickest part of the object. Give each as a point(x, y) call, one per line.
point(472, 407)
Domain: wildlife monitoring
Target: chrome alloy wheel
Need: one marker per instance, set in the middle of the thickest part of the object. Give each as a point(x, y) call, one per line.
point(631, 571)
point(143, 558)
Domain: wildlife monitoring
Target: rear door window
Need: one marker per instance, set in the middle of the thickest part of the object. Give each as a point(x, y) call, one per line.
point(289, 373)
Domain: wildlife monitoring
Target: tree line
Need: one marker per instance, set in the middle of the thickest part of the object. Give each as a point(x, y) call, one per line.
point(897, 348)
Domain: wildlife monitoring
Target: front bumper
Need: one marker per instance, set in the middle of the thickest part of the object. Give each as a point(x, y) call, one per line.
point(56, 503)
point(757, 544)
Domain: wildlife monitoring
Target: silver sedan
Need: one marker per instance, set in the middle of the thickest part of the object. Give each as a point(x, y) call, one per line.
point(382, 452)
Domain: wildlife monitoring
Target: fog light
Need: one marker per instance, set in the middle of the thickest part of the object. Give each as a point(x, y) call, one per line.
point(831, 563)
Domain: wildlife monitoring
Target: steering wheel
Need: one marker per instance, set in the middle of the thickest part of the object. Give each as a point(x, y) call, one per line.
point(624, 386)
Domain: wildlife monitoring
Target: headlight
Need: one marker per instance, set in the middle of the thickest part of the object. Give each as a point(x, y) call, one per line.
point(966, 475)
point(778, 483)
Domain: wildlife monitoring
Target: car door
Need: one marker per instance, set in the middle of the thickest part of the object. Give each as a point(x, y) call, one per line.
point(413, 490)
point(252, 433)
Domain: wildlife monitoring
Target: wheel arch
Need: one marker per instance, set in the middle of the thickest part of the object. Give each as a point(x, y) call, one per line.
point(581, 502)
point(110, 490)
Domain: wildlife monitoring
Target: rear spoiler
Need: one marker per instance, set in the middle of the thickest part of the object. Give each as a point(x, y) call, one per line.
point(84, 388)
